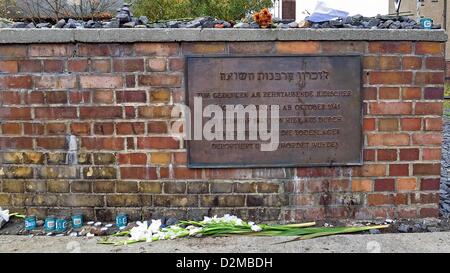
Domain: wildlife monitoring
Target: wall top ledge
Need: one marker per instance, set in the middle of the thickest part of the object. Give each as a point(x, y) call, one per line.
point(25, 36)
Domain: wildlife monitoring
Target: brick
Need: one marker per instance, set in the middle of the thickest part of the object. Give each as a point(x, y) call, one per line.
point(131, 96)
point(398, 169)
point(388, 124)
point(18, 172)
point(104, 158)
point(423, 78)
point(89, 81)
point(433, 124)
point(53, 66)
point(175, 201)
point(369, 124)
point(409, 154)
point(176, 64)
point(160, 95)
point(77, 65)
point(370, 62)
point(389, 63)
point(390, 47)
point(52, 143)
point(431, 154)
point(56, 112)
point(428, 108)
point(101, 65)
point(160, 158)
point(384, 185)
point(174, 187)
point(99, 112)
point(13, 50)
point(156, 65)
point(138, 173)
point(163, 80)
point(389, 93)
point(387, 155)
point(251, 47)
point(80, 128)
point(429, 212)
point(130, 128)
point(371, 170)
point(60, 172)
point(157, 127)
point(53, 82)
point(411, 124)
point(156, 49)
point(33, 157)
point(7, 97)
point(133, 159)
point(185, 173)
point(369, 155)
point(104, 186)
point(203, 47)
point(16, 82)
point(429, 48)
point(128, 65)
point(103, 96)
point(11, 129)
point(426, 169)
point(435, 63)
point(390, 108)
point(127, 186)
point(99, 173)
point(104, 128)
point(430, 184)
point(406, 184)
point(413, 63)
point(29, 66)
point(388, 139)
point(411, 93)
point(343, 47)
point(128, 200)
point(107, 50)
point(150, 187)
point(158, 143)
point(51, 50)
point(58, 186)
point(431, 93)
point(12, 113)
point(362, 185)
point(56, 128)
point(222, 200)
point(107, 143)
point(397, 77)
point(180, 158)
point(369, 93)
point(16, 143)
point(81, 186)
point(9, 67)
point(56, 158)
point(56, 97)
point(297, 47)
point(427, 139)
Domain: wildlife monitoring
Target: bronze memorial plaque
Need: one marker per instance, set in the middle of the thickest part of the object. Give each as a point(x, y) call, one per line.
point(274, 111)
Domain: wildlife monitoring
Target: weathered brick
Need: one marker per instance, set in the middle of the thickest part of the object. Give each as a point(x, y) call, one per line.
point(411, 124)
point(428, 108)
point(107, 143)
point(16, 142)
point(77, 65)
point(13, 186)
point(174, 187)
point(53, 66)
point(388, 124)
point(104, 158)
point(81, 186)
point(56, 112)
point(251, 47)
point(427, 169)
point(431, 153)
point(409, 154)
point(398, 77)
point(58, 172)
point(104, 81)
point(16, 82)
point(101, 65)
point(104, 186)
point(163, 80)
point(11, 129)
point(175, 201)
point(128, 65)
point(58, 186)
point(157, 65)
point(406, 184)
point(99, 172)
point(138, 173)
point(427, 139)
point(398, 170)
point(424, 78)
point(203, 47)
point(157, 127)
point(432, 93)
point(429, 48)
point(362, 185)
point(388, 139)
point(387, 155)
point(390, 108)
point(430, 184)
point(150, 187)
point(55, 82)
point(103, 128)
point(127, 187)
point(222, 200)
point(160, 158)
point(160, 95)
point(131, 96)
point(390, 47)
point(102, 112)
point(9, 67)
point(156, 49)
point(52, 143)
point(409, 62)
point(297, 47)
point(221, 187)
point(81, 200)
point(158, 143)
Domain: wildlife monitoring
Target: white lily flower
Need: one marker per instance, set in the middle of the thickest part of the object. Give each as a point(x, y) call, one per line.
point(140, 232)
point(155, 226)
point(207, 219)
point(256, 228)
point(194, 231)
point(4, 214)
point(190, 227)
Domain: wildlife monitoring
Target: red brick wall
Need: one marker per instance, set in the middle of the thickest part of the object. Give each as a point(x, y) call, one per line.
point(116, 100)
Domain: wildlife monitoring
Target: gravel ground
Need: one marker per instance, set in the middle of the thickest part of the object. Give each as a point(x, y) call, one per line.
point(445, 167)
point(384, 243)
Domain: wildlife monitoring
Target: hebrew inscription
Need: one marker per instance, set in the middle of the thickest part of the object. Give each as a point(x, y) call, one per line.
point(316, 102)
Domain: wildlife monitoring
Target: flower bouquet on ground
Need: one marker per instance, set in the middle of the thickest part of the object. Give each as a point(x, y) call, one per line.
point(226, 226)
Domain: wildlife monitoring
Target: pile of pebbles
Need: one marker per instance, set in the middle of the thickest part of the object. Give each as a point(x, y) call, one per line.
point(125, 19)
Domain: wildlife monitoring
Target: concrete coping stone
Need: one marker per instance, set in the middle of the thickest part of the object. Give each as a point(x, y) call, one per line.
point(26, 36)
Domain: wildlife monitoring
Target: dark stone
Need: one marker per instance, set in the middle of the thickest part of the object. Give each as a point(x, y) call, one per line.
point(373, 22)
point(171, 221)
point(114, 23)
point(337, 23)
point(44, 25)
point(31, 25)
point(209, 24)
point(387, 24)
point(123, 18)
point(436, 26)
point(253, 25)
point(405, 228)
point(60, 23)
point(19, 25)
point(143, 20)
point(173, 24)
point(375, 231)
point(129, 25)
point(193, 24)
point(89, 24)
